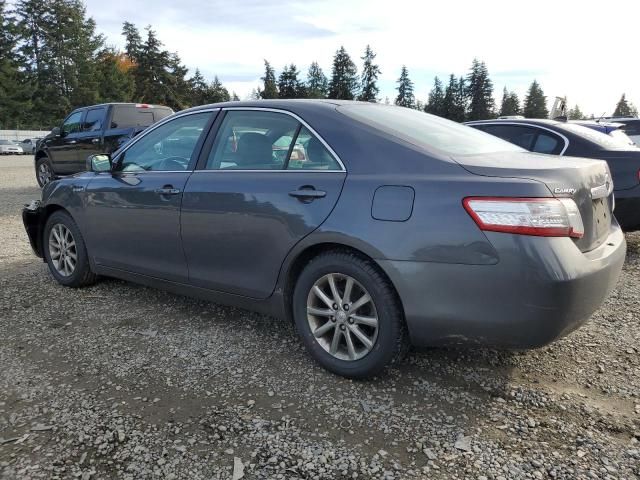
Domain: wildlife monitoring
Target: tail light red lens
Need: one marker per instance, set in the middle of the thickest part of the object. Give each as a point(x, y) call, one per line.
point(546, 217)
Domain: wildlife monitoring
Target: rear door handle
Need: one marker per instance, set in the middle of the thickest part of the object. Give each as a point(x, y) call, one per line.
point(71, 142)
point(95, 140)
point(308, 194)
point(167, 191)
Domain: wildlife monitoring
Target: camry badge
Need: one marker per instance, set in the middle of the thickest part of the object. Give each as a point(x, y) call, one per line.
point(569, 191)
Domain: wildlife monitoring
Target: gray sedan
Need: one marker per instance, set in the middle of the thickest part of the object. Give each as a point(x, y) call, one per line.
point(371, 227)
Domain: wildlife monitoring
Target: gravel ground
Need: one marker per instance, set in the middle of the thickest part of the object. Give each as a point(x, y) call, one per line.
point(121, 381)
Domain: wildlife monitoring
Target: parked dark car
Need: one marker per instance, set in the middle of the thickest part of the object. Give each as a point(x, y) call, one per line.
point(630, 126)
point(568, 139)
point(96, 129)
point(613, 129)
point(395, 226)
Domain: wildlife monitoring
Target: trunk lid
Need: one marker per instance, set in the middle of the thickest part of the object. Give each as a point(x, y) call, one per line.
point(586, 181)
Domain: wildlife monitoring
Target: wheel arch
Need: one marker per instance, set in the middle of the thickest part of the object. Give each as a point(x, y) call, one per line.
point(303, 254)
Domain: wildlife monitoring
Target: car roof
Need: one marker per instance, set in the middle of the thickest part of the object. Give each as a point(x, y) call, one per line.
point(534, 121)
point(292, 105)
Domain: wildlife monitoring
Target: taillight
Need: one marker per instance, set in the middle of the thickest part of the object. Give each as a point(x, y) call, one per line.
point(143, 105)
point(546, 217)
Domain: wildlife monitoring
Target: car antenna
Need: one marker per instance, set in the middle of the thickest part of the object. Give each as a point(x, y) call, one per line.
point(600, 118)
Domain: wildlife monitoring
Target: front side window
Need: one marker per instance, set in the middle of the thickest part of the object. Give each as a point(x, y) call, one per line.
point(166, 148)
point(93, 120)
point(72, 123)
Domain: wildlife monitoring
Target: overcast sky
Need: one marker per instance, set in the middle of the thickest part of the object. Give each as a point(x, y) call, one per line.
point(586, 50)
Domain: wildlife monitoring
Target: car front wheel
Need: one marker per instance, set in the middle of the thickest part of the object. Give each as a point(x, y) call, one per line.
point(44, 172)
point(348, 315)
point(65, 251)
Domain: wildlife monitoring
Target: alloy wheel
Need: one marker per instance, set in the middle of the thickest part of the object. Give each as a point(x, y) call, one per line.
point(342, 316)
point(62, 250)
point(44, 173)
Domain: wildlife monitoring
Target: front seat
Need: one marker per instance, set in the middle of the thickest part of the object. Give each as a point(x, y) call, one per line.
point(254, 149)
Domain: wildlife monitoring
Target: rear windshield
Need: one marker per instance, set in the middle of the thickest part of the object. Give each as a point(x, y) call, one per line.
point(127, 116)
point(602, 140)
point(429, 131)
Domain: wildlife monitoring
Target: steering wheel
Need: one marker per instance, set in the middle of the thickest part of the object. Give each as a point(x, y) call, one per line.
point(174, 163)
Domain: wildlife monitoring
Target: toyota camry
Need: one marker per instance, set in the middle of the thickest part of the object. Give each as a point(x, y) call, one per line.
point(371, 227)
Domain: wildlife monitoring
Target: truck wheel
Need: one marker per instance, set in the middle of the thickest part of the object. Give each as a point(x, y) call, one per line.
point(44, 172)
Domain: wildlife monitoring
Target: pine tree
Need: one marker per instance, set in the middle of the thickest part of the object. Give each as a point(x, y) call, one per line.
point(217, 92)
point(575, 114)
point(317, 84)
point(454, 103)
point(510, 103)
point(116, 82)
point(344, 78)
point(405, 96)
point(624, 108)
point(235, 97)
point(368, 87)
point(535, 103)
point(14, 96)
point(270, 89)
point(198, 89)
point(435, 103)
point(289, 86)
point(480, 92)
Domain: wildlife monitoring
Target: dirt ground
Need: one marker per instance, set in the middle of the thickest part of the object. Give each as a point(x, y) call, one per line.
point(121, 381)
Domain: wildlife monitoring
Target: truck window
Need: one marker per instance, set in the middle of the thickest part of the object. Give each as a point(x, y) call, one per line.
point(72, 123)
point(126, 116)
point(93, 120)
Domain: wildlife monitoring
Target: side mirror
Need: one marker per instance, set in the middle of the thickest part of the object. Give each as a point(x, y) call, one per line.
point(99, 163)
point(55, 131)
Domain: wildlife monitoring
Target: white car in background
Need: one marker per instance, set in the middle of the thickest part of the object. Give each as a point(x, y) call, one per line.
point(8, 147)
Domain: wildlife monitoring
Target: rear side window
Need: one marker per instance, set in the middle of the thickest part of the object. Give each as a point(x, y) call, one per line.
point(631, 127)
point(127, 116)
point(522, 136)
point(93, 120)
point(309, 153)
point(546, 143)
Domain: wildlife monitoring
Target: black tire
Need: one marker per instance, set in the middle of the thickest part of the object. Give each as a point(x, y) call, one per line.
point(81, 276)
point(44, 163)
point(391, 343)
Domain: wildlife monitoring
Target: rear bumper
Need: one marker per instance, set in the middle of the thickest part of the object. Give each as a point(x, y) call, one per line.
point(540, 290)
point(627, 210)
point(32, 216)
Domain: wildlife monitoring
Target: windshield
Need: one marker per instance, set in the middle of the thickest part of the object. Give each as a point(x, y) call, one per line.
point(429, 131)
point(604, 141)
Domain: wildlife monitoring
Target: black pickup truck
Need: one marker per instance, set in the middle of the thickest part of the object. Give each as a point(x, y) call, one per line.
point(96, 129)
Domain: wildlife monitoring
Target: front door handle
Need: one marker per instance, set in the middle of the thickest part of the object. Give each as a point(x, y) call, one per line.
point(167, 190)
point(71, 142)
point(307, 194)
point(95, 140)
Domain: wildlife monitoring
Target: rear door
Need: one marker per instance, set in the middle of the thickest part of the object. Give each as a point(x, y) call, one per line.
point(90, 136)
point(63, 149)
point(252, 199)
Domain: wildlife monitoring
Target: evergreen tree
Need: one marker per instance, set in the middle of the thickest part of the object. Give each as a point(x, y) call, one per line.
point(344, 78)
point(435, 104)
point(116, 82)
point(575, 114)
point(14, 96)
point(317, 84)
point(289, 86)
point(235, 97)
point(454, 103)
point(510, 103)
point(405, 96)
point(270, 89)
point(479, 91)
point(368, 87)
point(198, 89)
point(217, 92)
point(535, 103)
point(624, 108)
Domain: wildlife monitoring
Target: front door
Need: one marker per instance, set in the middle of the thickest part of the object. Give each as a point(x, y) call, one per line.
point(90, 136)
point(133, 212)
point(63, 149)
point(267, 182)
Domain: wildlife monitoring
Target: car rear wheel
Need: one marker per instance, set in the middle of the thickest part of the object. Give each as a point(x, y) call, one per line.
point(44, 172)
point(348, 315)
point(65, 251)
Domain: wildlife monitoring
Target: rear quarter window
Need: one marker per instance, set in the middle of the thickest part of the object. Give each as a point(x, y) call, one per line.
point(127, 116)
